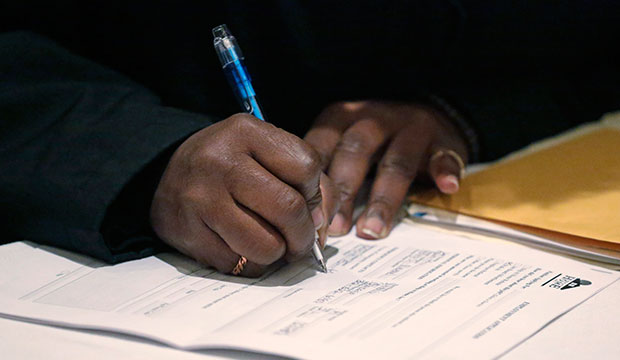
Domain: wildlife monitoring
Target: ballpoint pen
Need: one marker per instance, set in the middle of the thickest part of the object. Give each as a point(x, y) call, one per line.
point(231, 57)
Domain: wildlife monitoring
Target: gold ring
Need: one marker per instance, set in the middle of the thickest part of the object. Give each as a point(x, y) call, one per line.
point(454, 155)
point(240, 264)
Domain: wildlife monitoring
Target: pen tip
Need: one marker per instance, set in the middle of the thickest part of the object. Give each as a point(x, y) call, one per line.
point(323, 266)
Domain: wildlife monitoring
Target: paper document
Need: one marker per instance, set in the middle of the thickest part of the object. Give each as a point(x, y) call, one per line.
point(467, 225)
point(417, 294)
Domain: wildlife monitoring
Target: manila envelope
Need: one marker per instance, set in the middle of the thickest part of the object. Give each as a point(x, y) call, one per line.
point(572, 188)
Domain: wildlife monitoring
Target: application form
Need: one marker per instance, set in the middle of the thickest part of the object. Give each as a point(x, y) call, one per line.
point(417, 294)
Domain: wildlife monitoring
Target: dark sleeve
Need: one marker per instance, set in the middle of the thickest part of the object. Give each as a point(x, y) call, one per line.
point(510, 113)
point(81, 151)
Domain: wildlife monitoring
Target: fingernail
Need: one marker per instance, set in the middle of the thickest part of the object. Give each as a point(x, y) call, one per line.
point(317, 217)
point(450, 184)
point(337, 226)
point(374, 226)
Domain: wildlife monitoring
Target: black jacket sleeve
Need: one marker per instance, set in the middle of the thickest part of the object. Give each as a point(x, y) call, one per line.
point(81, 151)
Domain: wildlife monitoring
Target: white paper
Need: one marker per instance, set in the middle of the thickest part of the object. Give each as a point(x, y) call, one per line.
point(417, 294)
point(422, 214)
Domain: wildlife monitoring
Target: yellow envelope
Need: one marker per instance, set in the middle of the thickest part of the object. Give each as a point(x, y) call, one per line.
point(572, 187)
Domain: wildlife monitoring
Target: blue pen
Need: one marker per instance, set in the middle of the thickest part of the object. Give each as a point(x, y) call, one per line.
point(231, 57)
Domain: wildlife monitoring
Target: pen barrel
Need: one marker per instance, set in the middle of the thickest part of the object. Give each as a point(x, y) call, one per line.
point(239, 79)
point(316, 249)
point(231, 58)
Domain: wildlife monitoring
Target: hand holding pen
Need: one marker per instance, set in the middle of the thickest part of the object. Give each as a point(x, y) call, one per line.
point(242, 194)
point(231, 58)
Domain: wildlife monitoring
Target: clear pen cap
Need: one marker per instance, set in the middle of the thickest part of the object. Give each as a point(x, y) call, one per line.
point(226, 45)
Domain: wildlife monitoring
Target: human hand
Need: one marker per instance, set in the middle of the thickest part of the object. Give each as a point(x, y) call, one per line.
point(411, 139)
point(243, 188)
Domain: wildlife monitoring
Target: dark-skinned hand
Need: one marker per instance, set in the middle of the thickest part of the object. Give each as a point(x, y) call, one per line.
point(243, 187)
point(402, 137)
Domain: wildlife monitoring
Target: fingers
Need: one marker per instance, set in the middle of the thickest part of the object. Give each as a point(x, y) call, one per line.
point(448, 157)
point(245, 232)
point(395, 173)
point(198, 241)
point(324, 139)
point(255, 189)
point(288, 194)
point(446, 167)
point(330, 205)
point(349, 166)
point(286, 156)
point(277, 208)
point(213, 251)
point(325, 134)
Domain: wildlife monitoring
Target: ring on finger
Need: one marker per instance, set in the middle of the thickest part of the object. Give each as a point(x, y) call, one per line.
point(239, 266)
point(454, 155)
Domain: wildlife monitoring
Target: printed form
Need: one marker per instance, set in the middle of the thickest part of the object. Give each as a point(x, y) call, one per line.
point(417, 294)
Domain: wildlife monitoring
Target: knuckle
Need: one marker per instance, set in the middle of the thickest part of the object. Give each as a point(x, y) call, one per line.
point(241, 119)
point(385, 202)
point(348, 106)
point(192, 196)
point(346, 193)
point(354, 143)
point(216, 153)
point(292, 203)
point(310, 163)
point(211, 159)
point(339, 109)
point(336, 107)
point(244, 123)
point(398, 164)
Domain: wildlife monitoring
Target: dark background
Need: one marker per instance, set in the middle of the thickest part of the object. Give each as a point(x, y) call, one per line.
point(82, 147)
point(518, 70)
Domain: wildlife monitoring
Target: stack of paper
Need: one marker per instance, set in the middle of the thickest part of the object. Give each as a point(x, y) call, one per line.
point(568, 192)
point(417, 294)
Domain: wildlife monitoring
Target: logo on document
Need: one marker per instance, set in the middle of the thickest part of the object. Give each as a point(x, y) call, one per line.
point(566, 282)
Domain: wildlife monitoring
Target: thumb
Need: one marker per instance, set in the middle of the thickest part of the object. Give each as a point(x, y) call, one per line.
point(447, 168)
